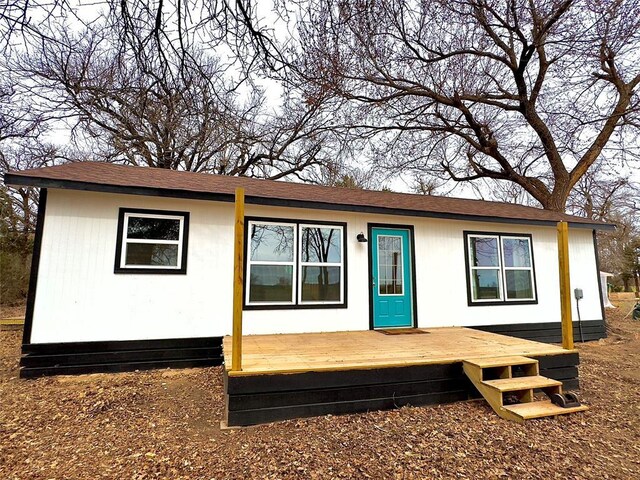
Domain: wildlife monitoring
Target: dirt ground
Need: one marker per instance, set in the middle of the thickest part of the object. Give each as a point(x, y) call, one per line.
point(165, 424)
point(12, 311)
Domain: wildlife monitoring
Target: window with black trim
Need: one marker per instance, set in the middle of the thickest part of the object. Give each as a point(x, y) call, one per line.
point(152, 241)
point(294, 263)
point(500, 268)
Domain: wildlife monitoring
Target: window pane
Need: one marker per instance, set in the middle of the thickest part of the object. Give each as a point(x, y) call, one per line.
point(391, 286)
point(153, 228)
point(321, 245)
point(483, 251)
point(516, 252)
point(519, 284)
point(271, 283)
point(272, 243)
point(486, 284)
point(390, 273)
point(151, 254)
point(320, 284)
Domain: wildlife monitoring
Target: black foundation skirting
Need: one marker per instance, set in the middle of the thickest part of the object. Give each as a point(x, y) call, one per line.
point(548, 332)
point(39, 359)
point(255, 399)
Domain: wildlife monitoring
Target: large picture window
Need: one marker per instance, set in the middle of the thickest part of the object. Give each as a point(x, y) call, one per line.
point(294, 263)
point(151, 241)
point(499, 269)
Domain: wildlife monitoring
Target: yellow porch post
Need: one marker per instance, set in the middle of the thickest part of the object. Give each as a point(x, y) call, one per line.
point(238, 281)
point(565, 285)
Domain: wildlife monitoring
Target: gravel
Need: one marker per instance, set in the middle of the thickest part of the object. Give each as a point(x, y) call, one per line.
point(166, 424)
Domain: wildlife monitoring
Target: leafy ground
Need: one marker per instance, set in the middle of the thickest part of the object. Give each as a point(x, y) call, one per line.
point(165, 424)
point(13, 311)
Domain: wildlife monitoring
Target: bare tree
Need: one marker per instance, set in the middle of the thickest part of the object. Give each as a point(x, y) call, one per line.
point(601, 195)
point(18, 118)
point(173, 28)
point(525, 93)
point(528, 92)
point(18, 207)
point(143, 104)
point(21, 129)
point(16, 19)
point(21, 202)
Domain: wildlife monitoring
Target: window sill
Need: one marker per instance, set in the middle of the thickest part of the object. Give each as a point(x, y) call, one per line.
point(148, 271)
point(302, 306)
point(501, 303)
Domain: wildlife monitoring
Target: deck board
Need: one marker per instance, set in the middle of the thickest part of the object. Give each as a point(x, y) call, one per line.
point(305, 352)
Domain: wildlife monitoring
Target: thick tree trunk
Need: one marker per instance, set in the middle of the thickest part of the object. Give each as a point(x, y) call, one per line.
point(556, 201)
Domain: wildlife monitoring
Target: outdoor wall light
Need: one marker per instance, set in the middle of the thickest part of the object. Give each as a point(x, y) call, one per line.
point(361, 238)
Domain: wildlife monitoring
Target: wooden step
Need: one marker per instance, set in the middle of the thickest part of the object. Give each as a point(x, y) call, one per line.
point(522, 383)
point(491, 362)
point(545, 408)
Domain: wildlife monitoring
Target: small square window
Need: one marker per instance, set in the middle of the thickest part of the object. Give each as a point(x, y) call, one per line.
point(152, 241)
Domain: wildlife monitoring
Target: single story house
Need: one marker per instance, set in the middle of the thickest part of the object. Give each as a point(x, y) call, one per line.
point(133, 267)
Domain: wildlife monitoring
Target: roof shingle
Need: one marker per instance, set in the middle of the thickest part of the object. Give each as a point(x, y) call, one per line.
point(143, 180)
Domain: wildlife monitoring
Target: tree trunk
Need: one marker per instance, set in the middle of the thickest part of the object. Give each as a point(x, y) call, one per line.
point(557, 201)
point(26, 213)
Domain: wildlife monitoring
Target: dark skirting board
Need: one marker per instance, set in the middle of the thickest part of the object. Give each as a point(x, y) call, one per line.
point(550, 332)
point(254, 399)
point(39, 359)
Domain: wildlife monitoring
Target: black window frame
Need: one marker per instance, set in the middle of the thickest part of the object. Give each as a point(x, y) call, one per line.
point(118, 268)
point(504, 301)
point(297, 305)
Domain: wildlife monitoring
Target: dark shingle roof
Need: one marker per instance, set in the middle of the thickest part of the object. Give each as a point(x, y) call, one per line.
point(151, 181)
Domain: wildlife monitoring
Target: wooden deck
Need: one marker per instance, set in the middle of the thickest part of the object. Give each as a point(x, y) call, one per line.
point(335, 351)
point(301, 375)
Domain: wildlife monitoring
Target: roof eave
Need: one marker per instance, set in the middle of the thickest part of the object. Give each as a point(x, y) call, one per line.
point(14, 178)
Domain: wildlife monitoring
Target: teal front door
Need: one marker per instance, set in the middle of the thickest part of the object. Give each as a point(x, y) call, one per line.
point(391, 277)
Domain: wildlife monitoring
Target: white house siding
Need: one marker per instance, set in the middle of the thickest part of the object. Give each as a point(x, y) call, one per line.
point(584, 274)
point(79, 298)
point(440, 276)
